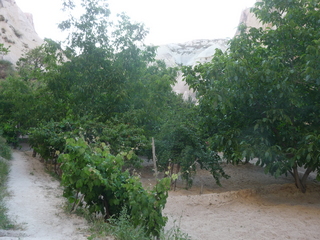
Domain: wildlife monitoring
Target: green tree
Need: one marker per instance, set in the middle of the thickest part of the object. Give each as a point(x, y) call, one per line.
point(6, 67)
point(3, 49)
point(179, 141)
point(260, 99)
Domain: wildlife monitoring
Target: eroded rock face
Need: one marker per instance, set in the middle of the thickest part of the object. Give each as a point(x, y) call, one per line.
point(16, 31)
point(189, 54)
point(249, 19)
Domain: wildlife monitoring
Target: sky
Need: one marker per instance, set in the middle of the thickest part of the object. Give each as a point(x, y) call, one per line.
point(168, 21)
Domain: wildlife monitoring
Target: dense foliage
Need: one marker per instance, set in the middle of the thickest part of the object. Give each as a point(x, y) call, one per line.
point(49, 139)
point(5, 150)
point(180, 143)
point(90, 105)
point(260, 99)
point(94, 175)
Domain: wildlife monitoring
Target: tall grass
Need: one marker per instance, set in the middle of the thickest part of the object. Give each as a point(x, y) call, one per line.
point(5, 152)
point(121, 228)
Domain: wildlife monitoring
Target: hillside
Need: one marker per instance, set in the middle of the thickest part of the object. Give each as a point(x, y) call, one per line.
point(16, 30)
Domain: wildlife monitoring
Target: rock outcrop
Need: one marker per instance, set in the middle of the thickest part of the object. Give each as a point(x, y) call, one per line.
point(16, 31)
point(249, 19)
point(189, 54)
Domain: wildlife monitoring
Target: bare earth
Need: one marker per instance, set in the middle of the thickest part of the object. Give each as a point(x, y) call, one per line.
point(36, 204)
point(250, 205)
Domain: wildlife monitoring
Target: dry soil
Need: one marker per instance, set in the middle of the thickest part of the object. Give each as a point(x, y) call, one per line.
point(249, 205)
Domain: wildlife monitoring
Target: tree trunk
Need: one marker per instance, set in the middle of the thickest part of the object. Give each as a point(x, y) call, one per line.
point(301, 183)
point(106, 206)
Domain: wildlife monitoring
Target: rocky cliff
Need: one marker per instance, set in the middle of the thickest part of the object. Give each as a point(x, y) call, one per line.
point(189, 54)
point(16, 30)
point(249, 19)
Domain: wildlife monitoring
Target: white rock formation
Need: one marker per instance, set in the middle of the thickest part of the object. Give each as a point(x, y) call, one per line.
point(250, 20)
point(16, 30)
point(189, 54)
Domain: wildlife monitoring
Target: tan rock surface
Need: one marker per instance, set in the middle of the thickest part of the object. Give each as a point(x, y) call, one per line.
point(16, 30)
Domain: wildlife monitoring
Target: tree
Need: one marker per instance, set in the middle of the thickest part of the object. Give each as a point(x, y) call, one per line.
point(6, 67)
point(3, 49)
point(260, 99)
point(179, 142)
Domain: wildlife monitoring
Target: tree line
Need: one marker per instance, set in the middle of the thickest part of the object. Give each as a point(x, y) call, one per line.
point(91, 105)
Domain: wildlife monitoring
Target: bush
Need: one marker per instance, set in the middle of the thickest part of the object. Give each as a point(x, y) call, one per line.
point(50, 138)
point(93, 176)
point(5, 150)
point(6, 69)
point(181, 144)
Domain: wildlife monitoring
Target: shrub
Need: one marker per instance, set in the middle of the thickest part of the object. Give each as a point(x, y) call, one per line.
point(5, 150)
point(6, 69)
point(95, 176)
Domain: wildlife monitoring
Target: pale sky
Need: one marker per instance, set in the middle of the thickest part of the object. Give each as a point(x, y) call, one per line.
point(169, 21)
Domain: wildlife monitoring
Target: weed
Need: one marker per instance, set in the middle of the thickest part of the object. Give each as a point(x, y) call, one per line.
point(5, 222)
point(5, 150)
point(174, 233)
point(121, 228)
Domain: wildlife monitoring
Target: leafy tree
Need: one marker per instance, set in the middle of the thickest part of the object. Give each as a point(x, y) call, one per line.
point(3, 49)
point(49, 138)
point(260, 99)
point(37, 63)
point(179, 141)
point(6, 69)
point(24, 96)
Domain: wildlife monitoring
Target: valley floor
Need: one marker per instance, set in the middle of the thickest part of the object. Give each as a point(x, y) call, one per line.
point(249, 205)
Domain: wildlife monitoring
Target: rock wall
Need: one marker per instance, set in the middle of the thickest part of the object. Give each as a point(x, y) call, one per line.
point(189, 54)
point(250, 20)
point(16, 31)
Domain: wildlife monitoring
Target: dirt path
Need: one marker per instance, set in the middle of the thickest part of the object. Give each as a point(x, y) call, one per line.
point(250, 205)
point(36, 204)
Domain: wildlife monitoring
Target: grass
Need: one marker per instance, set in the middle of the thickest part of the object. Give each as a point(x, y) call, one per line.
point(122, 229)
point(5, 222)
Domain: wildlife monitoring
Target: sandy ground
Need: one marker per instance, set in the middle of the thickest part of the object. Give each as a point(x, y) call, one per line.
point(36, 202)
point(249, 205)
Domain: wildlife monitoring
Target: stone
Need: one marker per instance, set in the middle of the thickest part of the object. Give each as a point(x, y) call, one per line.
point(16, 31)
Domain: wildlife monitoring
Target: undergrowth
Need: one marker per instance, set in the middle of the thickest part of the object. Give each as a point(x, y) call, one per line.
point(5, 222)
point(121, 229)
point(5, 150)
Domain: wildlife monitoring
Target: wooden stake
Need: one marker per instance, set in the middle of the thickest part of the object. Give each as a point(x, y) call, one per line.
point(154, 158)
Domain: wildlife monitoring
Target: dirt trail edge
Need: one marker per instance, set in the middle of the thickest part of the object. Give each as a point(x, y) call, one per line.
point(36, 202)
